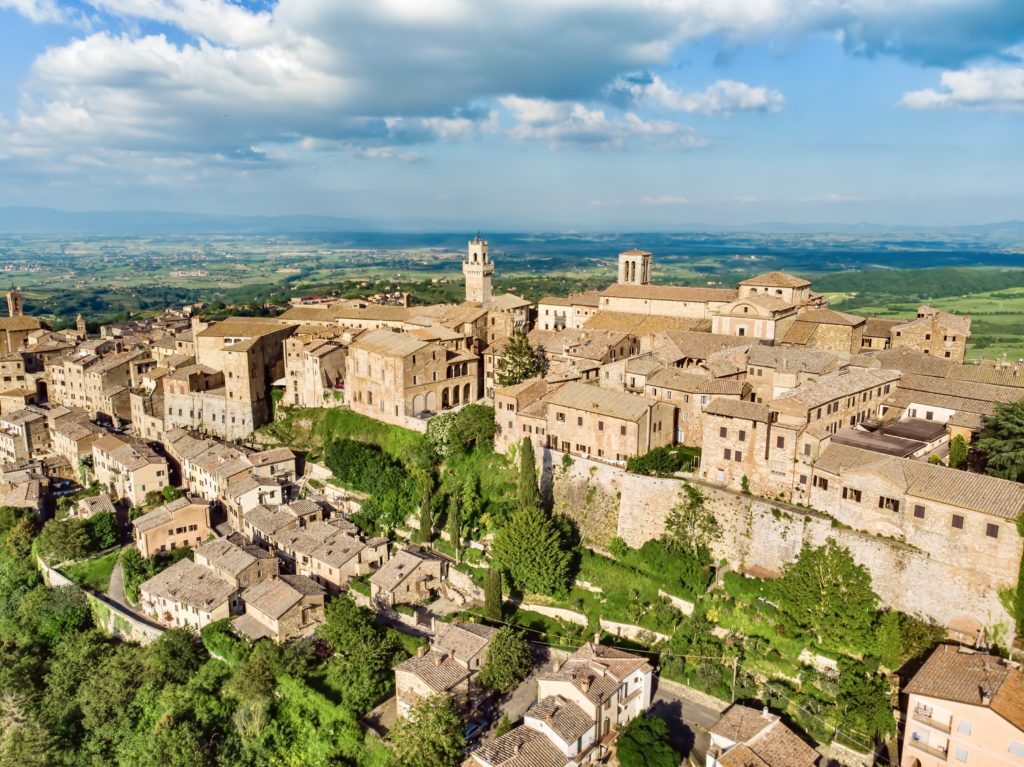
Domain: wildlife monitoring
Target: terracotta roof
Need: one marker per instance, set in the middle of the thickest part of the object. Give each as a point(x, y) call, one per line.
point(688, 381)
point(189, 584)
point(761, 739)
point(959, 388)
point(919, 479)
point(733, 408)
point(634, 252)
point(520, 747)
point(837, 385)
point(642, 324)
point(799, 333)
point(438, 670)
point(594, 399)
point(785, 358)
point(19, 323)
point(389, 343)
point(398, 568)
point(877, 327)
point(164, 514)
point(776, 280)
point(244, 327)
point(904, 360)
point(960, 675)
point(463, 641)
point(223, 554)
point(1002, 375)
point(831, 317)
point(565, 718)
point(670, 293)
point(699, 346)
point(275, 596)
point(770, 304)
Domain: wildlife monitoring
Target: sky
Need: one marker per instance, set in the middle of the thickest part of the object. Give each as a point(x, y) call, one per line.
point(527, 114)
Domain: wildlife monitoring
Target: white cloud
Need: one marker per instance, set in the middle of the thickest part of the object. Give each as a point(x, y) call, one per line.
point(833, 197)
point(995, 88)
point(722, 97)
point(664, 199)
point(39, 11)
point(570, 123)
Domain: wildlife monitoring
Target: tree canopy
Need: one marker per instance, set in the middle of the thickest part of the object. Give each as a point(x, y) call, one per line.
point(430, 736)
point(644, 743)
point(534, 553)
point(519, 361)
point(507, 661)
point(1002, 441)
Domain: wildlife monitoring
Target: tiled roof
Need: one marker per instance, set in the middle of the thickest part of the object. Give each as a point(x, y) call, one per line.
point(877, 327)
point(462, 640)
point(164, 514)
point(670, 293)
point(762, 740)
point(594, 399)
point(521, 747)
point(565, 718)
point(831, 317)
point(189, 584)
point(275, 455)
point(690, 344)
point(785, 358)
point(244, 327)
point(397, 569)
point(959, 388)
point(960, 675)
point(642, 324)
point(837, 385)
point(904, 360)
point(732, 408)
point(740, 723)
point(275, 596)
point(966, 490)
point(776, 280)
point(1002, 375)
point(389, 343)
point(438, 670)
point(224, 555)
point(688, 381)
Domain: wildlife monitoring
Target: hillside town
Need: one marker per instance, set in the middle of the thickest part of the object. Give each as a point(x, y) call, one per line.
point(793, 429)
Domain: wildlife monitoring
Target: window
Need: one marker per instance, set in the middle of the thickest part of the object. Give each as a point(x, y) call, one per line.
point(807, 448)
point(780, 442)
point(723, 432)
point(579, 420)
point(821, 482)
point(919, 511)
point(560, 417)
point(964, 728)
point(742, 332)
point(929, 415)
point(622, 430)
point(851, 494)
point(803, 479)
point(600, 425)
point(743, 436)
point(961, 754)
point(739, 456)
point(890, 504)
point(1016, 748)
point(958, 521)
point(727, 454)
point(991, 530)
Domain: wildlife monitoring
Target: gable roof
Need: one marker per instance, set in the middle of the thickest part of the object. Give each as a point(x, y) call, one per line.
point(670, 293)
point(278, 594)
point(776, 280)
point(594, 399)
point(919, 479)
point(733, 408)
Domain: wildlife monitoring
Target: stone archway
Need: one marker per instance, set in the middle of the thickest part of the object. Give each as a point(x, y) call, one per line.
point(465, 393)
point(432, 401)
point(418, 404)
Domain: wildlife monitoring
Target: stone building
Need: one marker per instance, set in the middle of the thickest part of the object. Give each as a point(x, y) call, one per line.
point(409, 577)
point(314, 370)
point(934, 332)
point(128, 468)
point(478, 270)
point(281, 608)
point(331, 553)
point(227, 392)
point(240, 564)
point(772, 370)
point(72, 434)
point(96, 381)
point(15, 332)
point(748, 736)
point(186, 595)
point(826, 329)
point(178, 524)
point(396, 377)
point(964, 707)
point(569, 313)
point(689, 393)
point(23, 435)
point(665, 300)
point(761, 315)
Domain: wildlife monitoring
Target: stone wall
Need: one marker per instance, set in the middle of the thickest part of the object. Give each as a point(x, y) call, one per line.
point(108, 615)
point(585, 491)
point(940, 584)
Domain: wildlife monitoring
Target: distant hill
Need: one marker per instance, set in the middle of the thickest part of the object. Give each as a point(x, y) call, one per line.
point(48, 221)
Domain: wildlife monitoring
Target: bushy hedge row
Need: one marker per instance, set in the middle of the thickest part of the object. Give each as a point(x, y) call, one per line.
point(664, 461)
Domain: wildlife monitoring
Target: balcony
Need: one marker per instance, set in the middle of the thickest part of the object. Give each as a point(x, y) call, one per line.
point(938, 751)
point(925, 716)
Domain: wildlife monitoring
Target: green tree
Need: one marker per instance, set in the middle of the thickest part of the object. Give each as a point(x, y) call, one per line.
point(504, 725)
point(864, 703)
point(826, 593)
point(174, 657)
point(644, 743)
point(455, 525)
point(958, 452)
point(527, 489)
point(51, 614)
point(690, 527)
point(64, 540)
point(532, 550)
point(471, 506)
point(474, 427)
point(361, 653)
point(102, 530)
point(1002, 441)
point(424, 489)
point(519, 361)
point(492, 594)
point(507, 661)
point(431, 736)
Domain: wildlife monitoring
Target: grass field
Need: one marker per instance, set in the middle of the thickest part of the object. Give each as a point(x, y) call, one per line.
point(93, 574)
point(997, 328)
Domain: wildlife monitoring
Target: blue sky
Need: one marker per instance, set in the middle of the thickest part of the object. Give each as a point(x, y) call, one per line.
point(546, 114)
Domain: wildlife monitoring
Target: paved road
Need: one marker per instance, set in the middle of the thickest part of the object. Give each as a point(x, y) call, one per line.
point(115, 589)
point(688, 722)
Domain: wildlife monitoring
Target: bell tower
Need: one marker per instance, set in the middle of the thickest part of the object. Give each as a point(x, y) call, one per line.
point(478, 270)
point(80, 328)
point(15, 302)
point(635, 267)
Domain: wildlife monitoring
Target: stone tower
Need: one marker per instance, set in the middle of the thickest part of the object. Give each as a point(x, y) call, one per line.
point(80, 327)
point(478, 270)
point(15, 303)
point(635, 267)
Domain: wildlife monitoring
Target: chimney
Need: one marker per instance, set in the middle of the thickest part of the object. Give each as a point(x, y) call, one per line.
point(765, 713)
point(438, 659)
point(986, 697)
point(585, 684)
point(421, 651)
point(550, 715)
point(516, 747)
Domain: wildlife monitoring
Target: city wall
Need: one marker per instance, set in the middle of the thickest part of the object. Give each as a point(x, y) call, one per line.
point(953, 587)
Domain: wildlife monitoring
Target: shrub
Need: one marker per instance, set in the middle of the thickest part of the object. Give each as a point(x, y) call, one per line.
point(220, 641)
point(663, 461)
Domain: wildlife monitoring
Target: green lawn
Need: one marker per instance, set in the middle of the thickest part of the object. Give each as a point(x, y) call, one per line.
point(93, 574)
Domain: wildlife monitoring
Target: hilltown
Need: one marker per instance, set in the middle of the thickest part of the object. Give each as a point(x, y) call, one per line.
point(812, 425)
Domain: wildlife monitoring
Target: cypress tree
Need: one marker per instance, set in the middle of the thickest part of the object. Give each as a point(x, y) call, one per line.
point(527, 492)
point(455, 525)
point(492, 595)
